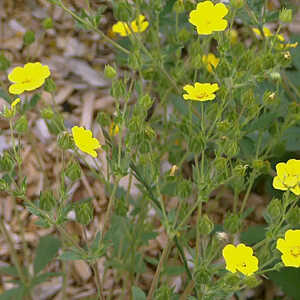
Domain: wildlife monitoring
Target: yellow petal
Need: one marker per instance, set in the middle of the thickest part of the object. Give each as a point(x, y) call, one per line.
point(290, 260)
point(15, 102)
point(282, 246)
point(281, 170)
point(293, 235)
point(17, 75)
point(220, 10)
point(16, 88)
point(277, 184)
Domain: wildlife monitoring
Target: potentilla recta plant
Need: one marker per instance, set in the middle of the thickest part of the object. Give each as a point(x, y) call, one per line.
point(200, 106)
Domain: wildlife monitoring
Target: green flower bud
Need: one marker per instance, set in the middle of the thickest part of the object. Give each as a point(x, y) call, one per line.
point(21, 125)
point(286, 15)
point(109, 72)
point(205, 225)
point(201, 276)
point(123, 11)
point(237, 3)
point(270, 98)
point(275, 76)
point(50, 85)
point(47, 113)
point(184, 35)
point(6, 162)
point(73, 170)
point(232, 223)
point(47, 23)
point(178, 6)
point(118, 89)
point(279, 265)
point(274, 210)
point(65, 141)
point(47, 200)
point(231, 279)
point(84, 212)
point(253, 281)
point(3, 185)
point(293, 216)
point(145, 101)
point(28, 38)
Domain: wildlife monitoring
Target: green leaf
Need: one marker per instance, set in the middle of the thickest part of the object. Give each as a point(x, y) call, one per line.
point(44, 277)
point(5, 96)
point(288, 280)
point(253, 235)
point(9, 270)
point(4, 63)
point(47, 249)
point(137, 293)
point(292, 139)
point(13, 294)
point(29, 38)
point(70, 255)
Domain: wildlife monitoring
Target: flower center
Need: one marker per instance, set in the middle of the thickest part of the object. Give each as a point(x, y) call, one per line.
point(202, 95)
point(295, 251)
point(26, 81)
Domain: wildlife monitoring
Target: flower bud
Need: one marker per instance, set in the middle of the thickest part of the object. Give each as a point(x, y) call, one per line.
point(109, 72)
point(275, 76)
point(47, 200)
point(286, 15)
point(178, 6)
point(47, 23)
point(65, 141)
point(184, 35)
point(113, 129)
point(50, 85)
point(201, 276)
point(118, 89)
point(253, 281)
point(84, 213)
point(293, 216)
point(237, 3)
point(232, 223)
point(21, 125)
point(73, 171)
point(274, 210)
point(6, 162)
point(47, 113)
point(3, 185)
point(145, 101)
point(205, 225)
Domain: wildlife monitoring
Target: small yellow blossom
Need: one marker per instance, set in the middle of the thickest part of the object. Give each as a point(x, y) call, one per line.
point(288, 45)
point(8, 113)
point(240, 259)
point(137, 25)
point(288, 176)
point(267, 33)
point(84, 140)
point(28, 78)
point(201, 91)
point(113, 129)
point(208, 17)
point(211, 61)
point(290, 248)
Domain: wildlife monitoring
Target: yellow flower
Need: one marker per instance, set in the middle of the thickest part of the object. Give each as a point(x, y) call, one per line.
point(288, 176)
point(113, 129)
point(288, 45)
point(267, 33)
point(290, 248)
point(28, 78)
point(8, 113)
point(137, 25)
point(240, 258)
point(201, 91)
point(208, 17)
point(210, 60)
point(84, 140)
